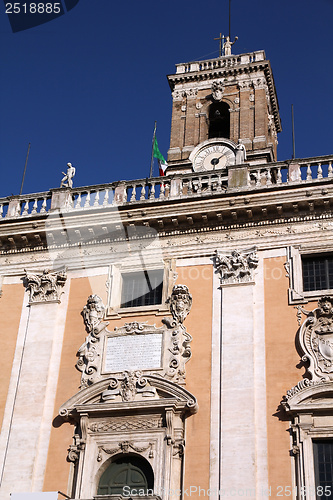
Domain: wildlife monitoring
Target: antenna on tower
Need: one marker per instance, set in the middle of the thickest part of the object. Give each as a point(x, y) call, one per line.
point(230, 19)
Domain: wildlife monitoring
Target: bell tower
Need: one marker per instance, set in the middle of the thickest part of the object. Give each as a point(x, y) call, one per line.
point(229, 101)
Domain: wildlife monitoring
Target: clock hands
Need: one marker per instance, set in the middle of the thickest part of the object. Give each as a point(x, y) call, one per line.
point(215, 161)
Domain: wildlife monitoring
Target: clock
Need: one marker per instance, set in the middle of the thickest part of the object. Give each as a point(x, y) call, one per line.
point(212, 155)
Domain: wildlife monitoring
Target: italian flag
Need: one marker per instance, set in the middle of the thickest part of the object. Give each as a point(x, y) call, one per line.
point(162, 164)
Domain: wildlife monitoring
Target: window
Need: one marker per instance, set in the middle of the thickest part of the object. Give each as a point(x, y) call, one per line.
point(317, 272)
point(219, 120)
point(142, 288)
point(132, 472)
point(323, 461)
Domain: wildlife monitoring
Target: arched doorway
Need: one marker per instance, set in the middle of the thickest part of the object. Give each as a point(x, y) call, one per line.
point(131, 471)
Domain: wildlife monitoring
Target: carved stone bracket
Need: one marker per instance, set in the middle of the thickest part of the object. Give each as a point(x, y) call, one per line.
point(75, 449)
point(236, 267)
point(45, 287)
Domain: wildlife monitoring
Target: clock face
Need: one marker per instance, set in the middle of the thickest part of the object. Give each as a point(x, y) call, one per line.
point(213, 157)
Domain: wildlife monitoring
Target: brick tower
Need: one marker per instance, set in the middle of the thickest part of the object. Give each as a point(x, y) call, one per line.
point(226, 101)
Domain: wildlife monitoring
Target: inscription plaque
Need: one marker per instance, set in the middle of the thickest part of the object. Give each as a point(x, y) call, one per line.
point(136, 352)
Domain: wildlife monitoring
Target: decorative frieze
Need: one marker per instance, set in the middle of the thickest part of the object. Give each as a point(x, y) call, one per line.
point(236, 267)
point(45, 287)
point(119, 424)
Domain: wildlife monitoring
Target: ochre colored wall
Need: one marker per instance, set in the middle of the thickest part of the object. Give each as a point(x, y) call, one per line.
point(10, 313)
point(281, 371)
point(199, 280)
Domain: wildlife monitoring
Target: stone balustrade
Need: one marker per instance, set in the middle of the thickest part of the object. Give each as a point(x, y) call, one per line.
point(308, 171)
point(25, 205)
point(221, 62)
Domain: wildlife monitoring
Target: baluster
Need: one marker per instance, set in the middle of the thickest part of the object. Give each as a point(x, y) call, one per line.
point(143, 192)
point(199, 185)
point(190, 187)
point(26, 208)
point(106, 198)
point(258, 183)
point(78, 201)
point(320, 172)
point(308, 173)
point(330, 169)
point(96, 202)
point(34, 207)
point(209, 187)
point(133, 197)
point(219, 182)
point(87, 203)
point(268, 178)
point(162, 191)
point(18, 210)
point(1, 211)
point(43, 208)
point(279, 176)
point(152, 191)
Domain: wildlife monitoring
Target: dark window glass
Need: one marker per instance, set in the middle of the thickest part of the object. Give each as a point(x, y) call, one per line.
point(317, 273)
point(143, 288)
point(133, 472)
point(323, 461)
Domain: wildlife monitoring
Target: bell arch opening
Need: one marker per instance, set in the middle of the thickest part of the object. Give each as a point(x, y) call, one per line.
point(219, 120)
point(127, 471)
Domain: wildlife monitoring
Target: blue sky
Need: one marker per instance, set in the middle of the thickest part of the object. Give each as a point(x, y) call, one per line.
point(87, 87)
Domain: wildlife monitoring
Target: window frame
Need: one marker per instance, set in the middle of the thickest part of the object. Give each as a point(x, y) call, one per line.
point(294, 268)
point(114, 285)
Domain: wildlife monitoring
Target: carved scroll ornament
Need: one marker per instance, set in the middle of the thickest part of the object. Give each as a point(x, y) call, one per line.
point(45, 287)
point(236, 267)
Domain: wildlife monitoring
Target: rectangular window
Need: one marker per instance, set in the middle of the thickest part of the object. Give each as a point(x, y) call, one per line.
point(142, 288)
point(323, 461)
point(317, 272)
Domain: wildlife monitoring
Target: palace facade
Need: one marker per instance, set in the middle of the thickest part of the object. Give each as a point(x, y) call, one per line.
point(174, 337)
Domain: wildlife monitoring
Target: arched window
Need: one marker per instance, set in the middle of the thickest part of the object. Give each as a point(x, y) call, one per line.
point(219, 120)
point(131, 471)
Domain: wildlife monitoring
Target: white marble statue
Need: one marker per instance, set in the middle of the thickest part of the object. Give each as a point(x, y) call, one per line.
point(240, 152)
point(227, 45)
point(67, 180)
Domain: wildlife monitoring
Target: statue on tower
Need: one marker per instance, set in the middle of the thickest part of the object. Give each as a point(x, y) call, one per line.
point(227, 45)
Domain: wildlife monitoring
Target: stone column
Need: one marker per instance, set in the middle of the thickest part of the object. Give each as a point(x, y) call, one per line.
point(27, 424)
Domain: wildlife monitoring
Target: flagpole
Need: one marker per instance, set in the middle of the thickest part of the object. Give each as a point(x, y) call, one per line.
point(152, 153)
point(25, 169)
